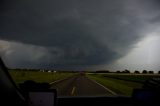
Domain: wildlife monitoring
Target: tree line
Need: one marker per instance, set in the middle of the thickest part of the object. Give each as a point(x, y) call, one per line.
point(127, 71)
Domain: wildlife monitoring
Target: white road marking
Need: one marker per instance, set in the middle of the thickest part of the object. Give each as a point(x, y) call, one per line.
point(73, 91)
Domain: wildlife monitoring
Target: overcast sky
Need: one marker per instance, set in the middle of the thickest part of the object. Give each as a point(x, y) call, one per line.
point(80, 34)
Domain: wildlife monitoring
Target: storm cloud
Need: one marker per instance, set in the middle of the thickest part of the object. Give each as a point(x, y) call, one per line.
point(74, 33)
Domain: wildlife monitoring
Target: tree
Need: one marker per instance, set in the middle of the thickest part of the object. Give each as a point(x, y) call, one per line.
point(118, 72)
point(144, 72)
point(103, 71)
point(126, 71)
point(136, 72)
point(151, 72)
point(158, 72)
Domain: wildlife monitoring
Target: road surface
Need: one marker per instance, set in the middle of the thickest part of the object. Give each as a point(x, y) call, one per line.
point(80, 85)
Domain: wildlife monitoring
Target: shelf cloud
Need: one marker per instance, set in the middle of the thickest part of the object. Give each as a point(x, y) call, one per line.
point(73, 33)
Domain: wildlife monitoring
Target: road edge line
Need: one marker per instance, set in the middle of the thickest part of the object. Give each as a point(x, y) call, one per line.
point(112, 92)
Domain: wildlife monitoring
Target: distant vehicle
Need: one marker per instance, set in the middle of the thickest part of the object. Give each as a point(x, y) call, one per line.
point(82, 73)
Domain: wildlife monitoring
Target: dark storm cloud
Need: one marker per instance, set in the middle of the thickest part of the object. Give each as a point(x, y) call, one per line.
point(78, 32)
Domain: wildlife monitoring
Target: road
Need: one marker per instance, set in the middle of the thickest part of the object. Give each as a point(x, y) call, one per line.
point(80, 85)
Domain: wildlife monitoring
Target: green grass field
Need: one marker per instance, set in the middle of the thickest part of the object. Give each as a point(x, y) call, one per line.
point(121, 84)
point(21, 76)
point(140, 78)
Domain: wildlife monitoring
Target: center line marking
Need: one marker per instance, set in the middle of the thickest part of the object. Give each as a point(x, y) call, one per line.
point(73, 91)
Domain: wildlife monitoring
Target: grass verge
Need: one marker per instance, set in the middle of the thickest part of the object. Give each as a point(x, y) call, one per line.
point(120, 87)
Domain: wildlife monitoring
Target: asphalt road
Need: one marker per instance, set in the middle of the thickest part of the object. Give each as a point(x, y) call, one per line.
point(80, 85)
